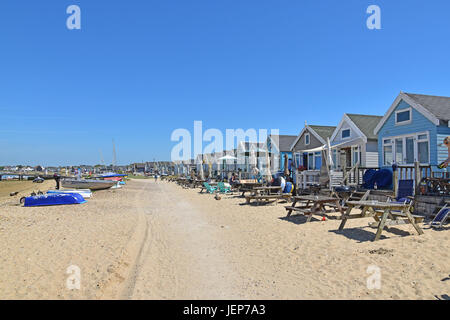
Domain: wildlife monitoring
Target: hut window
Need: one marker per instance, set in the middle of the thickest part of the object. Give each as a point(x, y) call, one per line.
point(317, 160)
point(311, 161)
point(403, 116)
point(387, 155)
point(345, 133)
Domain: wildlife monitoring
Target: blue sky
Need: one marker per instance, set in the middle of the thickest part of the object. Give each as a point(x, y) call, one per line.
point(137, 70)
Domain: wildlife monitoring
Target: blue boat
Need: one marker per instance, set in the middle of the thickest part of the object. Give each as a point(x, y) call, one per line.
point(112, 175)
point(54, 200)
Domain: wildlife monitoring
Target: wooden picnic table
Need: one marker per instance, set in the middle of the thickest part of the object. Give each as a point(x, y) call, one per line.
point(248, 187)
point(265, 190)
point(392, 213)
point(266, 193)
point(312, 204)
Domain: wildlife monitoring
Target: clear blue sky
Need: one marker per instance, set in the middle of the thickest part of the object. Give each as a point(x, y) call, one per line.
point(137, 70)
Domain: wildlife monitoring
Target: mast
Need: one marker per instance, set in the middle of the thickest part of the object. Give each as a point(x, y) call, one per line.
point(114, 155)
point(101, 158)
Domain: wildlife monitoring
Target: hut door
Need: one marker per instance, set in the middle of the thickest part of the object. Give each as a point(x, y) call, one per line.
point(348, 157)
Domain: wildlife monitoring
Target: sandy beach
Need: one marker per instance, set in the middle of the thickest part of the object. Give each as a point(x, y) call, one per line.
point(156, 240)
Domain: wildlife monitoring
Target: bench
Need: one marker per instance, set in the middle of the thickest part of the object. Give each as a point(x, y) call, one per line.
point(379, 213)
point(268, 197)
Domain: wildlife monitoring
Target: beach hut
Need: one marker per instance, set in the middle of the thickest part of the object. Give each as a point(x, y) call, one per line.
point(278, 146)
point(413, 130)
point(310, 155)
point(354, 146)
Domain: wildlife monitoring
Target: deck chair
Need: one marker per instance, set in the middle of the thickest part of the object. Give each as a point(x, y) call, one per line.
point(222, 188)
point(209, 188)
point(441, 217)
point(405, 191)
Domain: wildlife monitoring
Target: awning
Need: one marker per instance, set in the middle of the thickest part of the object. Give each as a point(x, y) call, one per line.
point(311, 150)
point(349, 143)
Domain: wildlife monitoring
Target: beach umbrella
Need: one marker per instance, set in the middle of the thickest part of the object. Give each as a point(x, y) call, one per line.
point(202, 174)
point(286, 165)
point(227, 157)
point(330, 162)
point(218, 166)
point(209, 167)
point(330, 158)
point(268, 172)
point(253, 162)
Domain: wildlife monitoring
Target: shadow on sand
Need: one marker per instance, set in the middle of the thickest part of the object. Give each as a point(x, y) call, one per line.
point(360, 234)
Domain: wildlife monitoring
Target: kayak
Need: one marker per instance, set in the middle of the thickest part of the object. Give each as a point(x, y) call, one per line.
point(85, 193)
point(54, 200)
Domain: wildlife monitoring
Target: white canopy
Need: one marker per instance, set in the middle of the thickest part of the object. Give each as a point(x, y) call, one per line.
point(338, 145)
point(227, 157)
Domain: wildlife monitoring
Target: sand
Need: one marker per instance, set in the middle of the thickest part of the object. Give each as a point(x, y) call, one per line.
point(159, 241)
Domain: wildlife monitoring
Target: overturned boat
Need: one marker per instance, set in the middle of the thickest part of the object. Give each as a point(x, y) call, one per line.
point(87, 184)
point(85, 193)
point(53, 200)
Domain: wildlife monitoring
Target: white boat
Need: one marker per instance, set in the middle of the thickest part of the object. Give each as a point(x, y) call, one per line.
point(85, 193)
point(116, 185)
point(87, 184)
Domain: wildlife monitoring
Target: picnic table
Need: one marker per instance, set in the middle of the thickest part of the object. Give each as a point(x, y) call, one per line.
point(248, 186)
point(385, 214)
point(265, 190)
point(313, 204)
point(267, 193)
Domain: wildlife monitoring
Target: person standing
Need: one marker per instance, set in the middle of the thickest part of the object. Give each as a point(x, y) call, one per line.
point(57, 178)
point(446, 163)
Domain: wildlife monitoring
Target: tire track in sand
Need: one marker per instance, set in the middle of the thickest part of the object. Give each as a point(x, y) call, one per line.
point(150, 242)
point(183, 257)
point(136, 246)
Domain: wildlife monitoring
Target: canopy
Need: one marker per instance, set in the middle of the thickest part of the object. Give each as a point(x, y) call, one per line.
point(347, 143)
point(338, 145)
point(227, 157)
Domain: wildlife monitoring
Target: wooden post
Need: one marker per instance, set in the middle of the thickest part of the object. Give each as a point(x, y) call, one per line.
point(396, 183)
point(417, 175)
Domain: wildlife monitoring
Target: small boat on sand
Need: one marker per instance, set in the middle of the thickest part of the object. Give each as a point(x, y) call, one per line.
point(85, 193)
point(87, 184)
point(53, 200)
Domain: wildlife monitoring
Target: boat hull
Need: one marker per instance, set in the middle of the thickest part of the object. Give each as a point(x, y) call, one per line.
point(87, 184)
point(85, 193)
point(53, 200)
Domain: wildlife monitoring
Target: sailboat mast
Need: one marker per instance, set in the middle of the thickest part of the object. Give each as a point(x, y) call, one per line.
point(114, 156)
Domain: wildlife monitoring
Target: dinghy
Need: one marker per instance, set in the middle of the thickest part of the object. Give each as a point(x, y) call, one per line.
point(53, 200)
point(85, 193)
point(87, 184)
